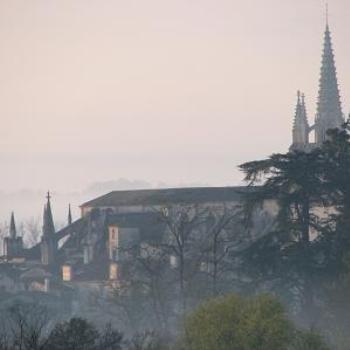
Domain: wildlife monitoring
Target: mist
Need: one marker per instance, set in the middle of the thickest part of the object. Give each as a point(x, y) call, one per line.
point(176, 92)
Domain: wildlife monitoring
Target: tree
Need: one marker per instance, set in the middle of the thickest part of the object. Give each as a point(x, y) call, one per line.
point(148, 340)
point(294, 181)
point(27, 324)
point(184, 225)
point(235, 322)
point(336, 166)
point(79, 334)
point(155, 284)
point(75, 334)
point(223, 234)
point(307, 247)
point(151, 270)
point(31, 231)
point(110, 339)
point(286, 254)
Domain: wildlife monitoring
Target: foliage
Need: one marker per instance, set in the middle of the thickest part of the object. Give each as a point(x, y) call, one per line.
point(79, 334)
point(235, 322)
point(27, 326)
point(307, 245)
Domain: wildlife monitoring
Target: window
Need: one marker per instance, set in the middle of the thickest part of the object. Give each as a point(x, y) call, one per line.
point(66, 273)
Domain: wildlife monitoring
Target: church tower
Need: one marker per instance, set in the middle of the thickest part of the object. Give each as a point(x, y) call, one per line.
point(48, 239)
point(329, 112)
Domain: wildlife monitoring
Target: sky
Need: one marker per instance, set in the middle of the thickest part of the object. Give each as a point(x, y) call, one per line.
point(164, 91)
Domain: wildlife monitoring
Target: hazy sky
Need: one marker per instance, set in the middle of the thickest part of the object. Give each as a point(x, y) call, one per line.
point(177, 91)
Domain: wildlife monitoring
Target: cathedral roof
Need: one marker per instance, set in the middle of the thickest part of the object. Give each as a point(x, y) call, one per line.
point(195, 195)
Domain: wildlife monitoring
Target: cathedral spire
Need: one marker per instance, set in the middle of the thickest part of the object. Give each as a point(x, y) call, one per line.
point(48, 226)
point(329, 112)
point(300, 126)
point(13, 231)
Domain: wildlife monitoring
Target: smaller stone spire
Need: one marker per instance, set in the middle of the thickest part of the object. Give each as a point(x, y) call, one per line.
point(13, 231)
point(300, 125)
point(12, 245)
point(69, 215)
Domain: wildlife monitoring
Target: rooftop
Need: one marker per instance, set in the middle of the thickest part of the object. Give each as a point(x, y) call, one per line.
point(195, 195)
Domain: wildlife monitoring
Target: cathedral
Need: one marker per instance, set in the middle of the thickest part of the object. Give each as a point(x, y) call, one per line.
point(87, 253)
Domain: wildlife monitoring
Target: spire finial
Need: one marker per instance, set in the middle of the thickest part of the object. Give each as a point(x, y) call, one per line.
point(48, 196)
point(327, 14)
point(298, 94)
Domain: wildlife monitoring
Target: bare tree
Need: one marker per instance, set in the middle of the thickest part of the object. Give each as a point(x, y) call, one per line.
point(223, 233)
point(32, 231)
point(4, 231)
point(26, 325)
point(148, 340)
point(153, 270)
point(183, 234)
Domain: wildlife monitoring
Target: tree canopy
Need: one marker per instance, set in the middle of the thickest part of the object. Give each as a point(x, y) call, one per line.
point(256, 323)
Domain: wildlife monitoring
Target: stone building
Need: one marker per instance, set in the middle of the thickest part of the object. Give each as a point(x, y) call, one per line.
point(88, 253)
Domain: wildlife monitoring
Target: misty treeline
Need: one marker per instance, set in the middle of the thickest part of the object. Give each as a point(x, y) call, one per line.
point(232, 322)
point(33, 326)
point(301, 254)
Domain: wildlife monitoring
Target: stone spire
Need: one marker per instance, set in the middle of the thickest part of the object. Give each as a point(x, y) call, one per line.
point(329, 112)
point(300, 125)
point(69, 215)
point(48, 240)
point(48, 225)
point(13, 231)
point(13, 245)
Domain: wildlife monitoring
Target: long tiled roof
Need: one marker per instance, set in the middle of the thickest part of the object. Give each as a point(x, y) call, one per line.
point(167, 196)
